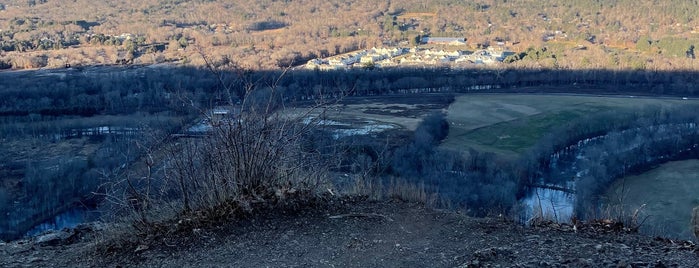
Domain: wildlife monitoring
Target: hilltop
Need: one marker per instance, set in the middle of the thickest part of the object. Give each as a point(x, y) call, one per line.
point(369, 234)
point(104, 119)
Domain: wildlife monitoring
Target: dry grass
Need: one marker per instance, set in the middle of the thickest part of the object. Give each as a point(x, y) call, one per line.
point(411, 192)
point(377, 189)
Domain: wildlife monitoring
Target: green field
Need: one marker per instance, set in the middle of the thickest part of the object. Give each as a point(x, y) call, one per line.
point(669, 193)
point(509, 124)
point(506, 124)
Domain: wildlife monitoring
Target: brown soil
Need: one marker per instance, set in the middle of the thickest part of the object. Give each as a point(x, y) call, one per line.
point(369, 234)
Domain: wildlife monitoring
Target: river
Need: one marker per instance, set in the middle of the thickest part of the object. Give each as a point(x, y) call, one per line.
point(554, 196)
point(69, 219)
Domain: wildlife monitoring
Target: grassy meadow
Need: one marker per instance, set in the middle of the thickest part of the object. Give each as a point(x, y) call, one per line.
point(508, 124)
point(665, 196)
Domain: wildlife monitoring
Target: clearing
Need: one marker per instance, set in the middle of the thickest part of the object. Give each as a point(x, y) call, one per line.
point(399, 112)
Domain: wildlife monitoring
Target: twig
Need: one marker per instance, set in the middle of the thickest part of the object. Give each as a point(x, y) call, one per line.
point(360, 215)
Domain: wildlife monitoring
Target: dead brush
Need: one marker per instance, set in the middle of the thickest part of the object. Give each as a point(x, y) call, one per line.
point(618, 218)
point(249, 162)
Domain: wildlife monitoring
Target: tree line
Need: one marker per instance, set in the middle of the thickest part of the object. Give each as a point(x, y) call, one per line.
point(119, 91)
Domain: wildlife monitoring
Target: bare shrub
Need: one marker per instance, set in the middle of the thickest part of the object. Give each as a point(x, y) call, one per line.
point(251, 158)
point(29, 61)
point(627, 218)
point(619, 211)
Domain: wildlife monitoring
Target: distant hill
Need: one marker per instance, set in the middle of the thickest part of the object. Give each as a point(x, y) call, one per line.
point(271, 34)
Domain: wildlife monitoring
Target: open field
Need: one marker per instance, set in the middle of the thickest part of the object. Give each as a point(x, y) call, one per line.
point(506, 124)
point(669, 192)
point(509, 124)
point(400, 112)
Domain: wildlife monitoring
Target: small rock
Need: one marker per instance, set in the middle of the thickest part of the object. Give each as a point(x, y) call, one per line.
point(660, 264)
point(55, 238)
point(622, 264)
point(141, 248)
point(640, 264)
point(577, 262)
point(485, 254)
point(490, 254)
point(35, 260)
point(16, 248)
point(598, 247)
point(533, 239)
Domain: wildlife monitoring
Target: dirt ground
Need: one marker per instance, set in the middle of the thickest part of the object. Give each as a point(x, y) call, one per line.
point(371, 234)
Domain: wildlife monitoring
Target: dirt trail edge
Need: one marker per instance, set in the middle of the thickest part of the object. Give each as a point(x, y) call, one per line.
point(373, 234)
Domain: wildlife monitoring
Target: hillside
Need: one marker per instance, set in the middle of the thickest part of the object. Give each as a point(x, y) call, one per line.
point(369, 234)
point(215, 133)
point(273, 34)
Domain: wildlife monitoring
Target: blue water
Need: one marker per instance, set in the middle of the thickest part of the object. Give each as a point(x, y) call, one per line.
point(68, 219)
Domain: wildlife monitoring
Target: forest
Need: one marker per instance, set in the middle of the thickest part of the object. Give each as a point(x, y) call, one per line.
point(276, 34)
point(92, 125)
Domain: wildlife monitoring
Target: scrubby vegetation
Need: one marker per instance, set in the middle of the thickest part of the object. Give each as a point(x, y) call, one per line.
point(248, 163)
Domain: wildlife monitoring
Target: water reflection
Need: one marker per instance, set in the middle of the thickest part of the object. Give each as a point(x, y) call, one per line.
point(68, 219)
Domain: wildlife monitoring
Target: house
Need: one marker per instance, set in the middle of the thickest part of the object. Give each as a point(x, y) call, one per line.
point(460, 60)
point(444, 40)
point(371, 58)
point(389, 52)
point(499, 54)
point(315, 63)
point(452, 54)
